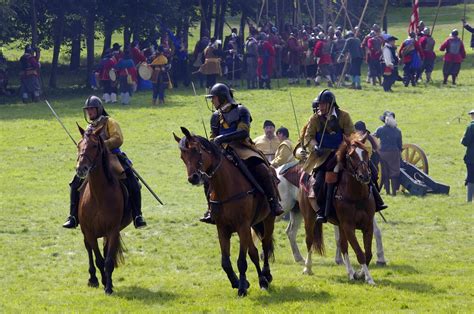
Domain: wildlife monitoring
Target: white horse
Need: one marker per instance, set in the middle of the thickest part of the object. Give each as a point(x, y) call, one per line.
point(289, 200)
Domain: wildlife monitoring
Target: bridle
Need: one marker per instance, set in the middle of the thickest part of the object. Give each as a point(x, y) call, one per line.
point(199, 170)
point(92, 161)
point(353, 170)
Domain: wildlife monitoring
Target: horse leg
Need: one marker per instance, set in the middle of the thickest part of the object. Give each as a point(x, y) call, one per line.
point(224, 241)
point(253, 254)
point(337, 237)
point(93, 281)
point(367, 237)
point(267, 246)
point(378, 240)
point(344, 250)
point(351, 237)
point(309, 228)
point(292, 232)
point(112, 245)
point(245, 241)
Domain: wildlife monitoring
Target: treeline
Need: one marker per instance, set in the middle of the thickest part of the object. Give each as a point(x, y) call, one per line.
point(77, 24)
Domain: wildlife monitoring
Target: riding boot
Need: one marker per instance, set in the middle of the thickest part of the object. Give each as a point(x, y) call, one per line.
point(470, 192)
point(265, 179)
point(329, 208)
point(73, 220)
point(207, 215)
point(135, 199)
point(379, 204)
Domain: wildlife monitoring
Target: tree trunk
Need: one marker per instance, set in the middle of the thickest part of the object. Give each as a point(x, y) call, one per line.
point(243, 17)
point(58, 38)
point(127, 35)
point(222, 18)
point(107, 36)
point(90, 32)
point(217, 18)
point(210, 7)
point(34, 27)
point(75, 61)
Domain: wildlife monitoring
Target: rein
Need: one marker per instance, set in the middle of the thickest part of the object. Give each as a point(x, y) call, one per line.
point(94, 160)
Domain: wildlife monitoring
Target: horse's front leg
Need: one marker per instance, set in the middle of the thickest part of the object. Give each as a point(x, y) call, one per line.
point(253, 253)
point(112, 243)
point(268, 246)
point(93, 281)
point(337, 237)
point(99, 260)
point(367, 238)
point(292, 232)
point(309, 225)
point(344, 250)
point(378, 241)
point(224, 241)
point(245, 242)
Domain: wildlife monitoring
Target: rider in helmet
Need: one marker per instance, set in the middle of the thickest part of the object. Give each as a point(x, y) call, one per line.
point(230, 124)
point(324, 133)
point(96, 116)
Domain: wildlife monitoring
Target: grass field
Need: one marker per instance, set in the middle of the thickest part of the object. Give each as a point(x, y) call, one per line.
point(174, 264)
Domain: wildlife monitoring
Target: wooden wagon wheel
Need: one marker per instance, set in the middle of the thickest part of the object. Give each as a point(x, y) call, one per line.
point(412, 154)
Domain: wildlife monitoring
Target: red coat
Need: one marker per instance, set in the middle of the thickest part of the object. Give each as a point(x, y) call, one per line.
point(294, 51)
point(322, 50)
point(375, 45)
point(106, 67)
point(270, 51)
point(453, 57)
point(428, 52)
point(137, 55)
point(407, 58)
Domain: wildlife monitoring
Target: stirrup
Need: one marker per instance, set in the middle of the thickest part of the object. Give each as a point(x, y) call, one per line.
point(139, 222)
point(207, 218)
point(321, 219)
point(71, 223)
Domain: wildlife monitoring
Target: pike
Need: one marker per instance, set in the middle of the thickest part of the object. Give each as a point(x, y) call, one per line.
point(133, 169)
point(294, 112)
point(200, 113)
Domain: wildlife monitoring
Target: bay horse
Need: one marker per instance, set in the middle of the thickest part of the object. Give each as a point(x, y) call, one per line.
point(289, 191)
point(102, 211)
point(236, 207)
point(355, 209)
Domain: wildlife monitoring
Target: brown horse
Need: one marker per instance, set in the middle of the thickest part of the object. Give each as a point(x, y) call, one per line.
point(102, 210)
point(355, 208)
point(236, 207)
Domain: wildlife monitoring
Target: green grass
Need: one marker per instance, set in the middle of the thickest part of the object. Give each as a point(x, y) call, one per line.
point(174, 264)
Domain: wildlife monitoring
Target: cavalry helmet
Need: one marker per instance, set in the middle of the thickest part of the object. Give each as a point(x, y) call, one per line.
point(325, 96)
point(95, 102)
point(223, 92)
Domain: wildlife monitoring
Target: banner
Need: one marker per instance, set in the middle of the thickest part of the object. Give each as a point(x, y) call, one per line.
point(415, 18)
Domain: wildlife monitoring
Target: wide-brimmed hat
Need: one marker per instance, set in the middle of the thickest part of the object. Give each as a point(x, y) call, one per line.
point(388, 37)
point(471, 112)
point(360, 126)
point(386, 113)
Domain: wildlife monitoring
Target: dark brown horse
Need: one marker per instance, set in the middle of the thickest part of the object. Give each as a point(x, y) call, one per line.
point(355, 208)
point(236, 207)
point(101, 207)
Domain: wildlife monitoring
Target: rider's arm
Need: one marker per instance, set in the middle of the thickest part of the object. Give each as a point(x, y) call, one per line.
point(115, 139)
point(310, 135)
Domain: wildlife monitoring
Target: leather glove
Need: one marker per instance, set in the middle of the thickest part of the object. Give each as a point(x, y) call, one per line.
point(318, 150)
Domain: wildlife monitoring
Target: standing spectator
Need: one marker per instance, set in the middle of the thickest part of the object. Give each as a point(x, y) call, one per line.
point(352, 47)
point(390, 73)
point(160, 76)
point(294, 51)
point(410, 53)
point(284, 152)
point(266, 57)
point(468, 141)
point(470, 29)
point(427, 44)
point(390, 148)
point(110, 88)
point(117, 52)
point(198, 56)
point(29, 75)
point(322, 51)
point(374, 47)
point(127, 75)
point(336, 49)
point(212, 64)
point(310, 60)
point(251, 55)
point(268, 143)
point(277, 43)
point(455, 54)
point(137, 55)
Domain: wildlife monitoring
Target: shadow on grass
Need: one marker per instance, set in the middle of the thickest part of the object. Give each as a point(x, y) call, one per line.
point(417, 287)
point(291, 293)
point(145, 295)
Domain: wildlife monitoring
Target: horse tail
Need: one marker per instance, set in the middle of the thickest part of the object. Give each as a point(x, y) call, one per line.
point(119, 259)
point(318, 243)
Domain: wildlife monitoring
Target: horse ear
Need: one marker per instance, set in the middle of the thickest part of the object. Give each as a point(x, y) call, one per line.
point(186, 133)
point(81, 130)
point(176, 138)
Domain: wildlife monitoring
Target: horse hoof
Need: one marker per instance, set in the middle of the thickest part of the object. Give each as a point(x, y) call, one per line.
point(108, 291)
point(300, 260)
point(359, 275)
point(308, 272)
point(93, 283)
point(242, 292)
point(339, 261)
point(381, 263)
point(263, 283)
point(371, 282)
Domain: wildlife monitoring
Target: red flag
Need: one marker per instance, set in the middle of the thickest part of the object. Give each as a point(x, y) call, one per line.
point(415, 18)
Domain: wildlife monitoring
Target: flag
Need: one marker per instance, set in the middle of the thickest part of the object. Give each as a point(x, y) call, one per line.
point(415, 18)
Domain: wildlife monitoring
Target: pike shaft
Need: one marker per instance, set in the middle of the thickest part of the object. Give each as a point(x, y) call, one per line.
point(200, 113)
point(294, 112)
point(60, 122)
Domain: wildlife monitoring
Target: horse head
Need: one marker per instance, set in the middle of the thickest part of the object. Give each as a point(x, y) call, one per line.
point(198, 154)
point(89, 149)
point(356, 157)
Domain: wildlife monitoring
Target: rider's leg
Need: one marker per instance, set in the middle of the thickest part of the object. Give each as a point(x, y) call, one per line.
point(135, 198)
point(207, 215)
point(73, 220)
point(265, 179)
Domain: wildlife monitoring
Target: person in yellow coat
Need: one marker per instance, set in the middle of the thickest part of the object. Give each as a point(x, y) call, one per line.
point(160, 76)
point(119, 163)
point(284, 152)
point(324, 133)
point(268, 142)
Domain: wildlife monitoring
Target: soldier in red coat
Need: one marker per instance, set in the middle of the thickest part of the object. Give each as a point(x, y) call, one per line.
point(266, 58)
point(29, 75)
point(427, 44)
point(411, 54)
point(454, 56)
point(322, 51)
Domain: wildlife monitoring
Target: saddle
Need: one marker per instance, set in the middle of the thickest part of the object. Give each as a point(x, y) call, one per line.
point(292, 173)
point(239, 163)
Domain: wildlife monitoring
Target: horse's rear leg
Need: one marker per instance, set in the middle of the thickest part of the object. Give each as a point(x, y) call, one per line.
point(309, 225)
point(253, 253)
point(112, 244)
point(224, 241)
point(268, 247)
point(292, 232)
point(378, 240)
point(245, 242)
point(99, 260)
point(345, 254)
point(93, 281)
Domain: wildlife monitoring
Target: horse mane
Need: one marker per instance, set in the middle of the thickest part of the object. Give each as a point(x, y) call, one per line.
point(104, 156)
point(354, 138)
